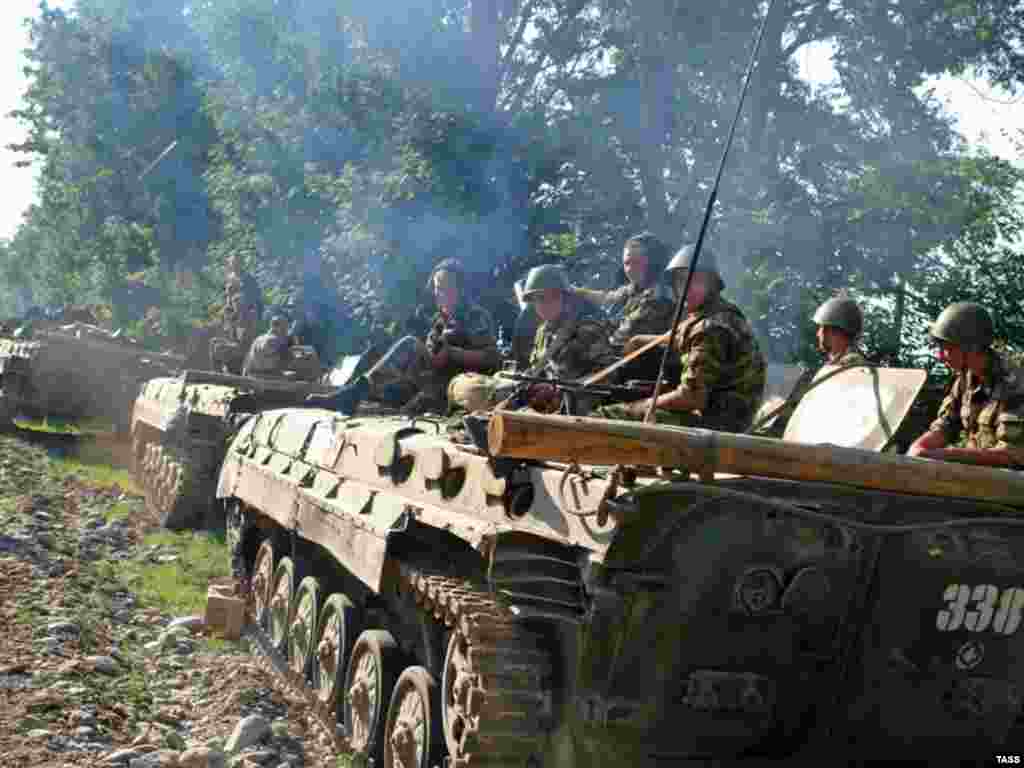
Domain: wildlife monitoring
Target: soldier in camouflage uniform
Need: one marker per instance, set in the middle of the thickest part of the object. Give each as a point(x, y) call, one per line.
point(985, 403)
point(268, 354)
point(647, 299)
point(243, 307)
point(414, 374)
point(839, 322)
point(568, 345)
point(723, 371)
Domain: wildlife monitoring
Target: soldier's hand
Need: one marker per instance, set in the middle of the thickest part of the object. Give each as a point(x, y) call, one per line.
point(541, 394)
point(638, 408)
point(634, 342)
point(441, 358)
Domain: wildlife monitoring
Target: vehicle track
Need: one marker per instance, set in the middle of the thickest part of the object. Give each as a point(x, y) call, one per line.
point(495, 685)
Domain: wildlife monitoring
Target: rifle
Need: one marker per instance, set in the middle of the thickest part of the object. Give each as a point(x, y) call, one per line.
point(572, 390)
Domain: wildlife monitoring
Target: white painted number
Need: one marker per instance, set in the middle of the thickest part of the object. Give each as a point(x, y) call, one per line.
point(979, 608)
point(1009, 614)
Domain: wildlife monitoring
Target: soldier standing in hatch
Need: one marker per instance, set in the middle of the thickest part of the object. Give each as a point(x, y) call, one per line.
point(414, 374)
point(648, 306)
point(986, 401)
point(268, 354)
point(568, 345)
point(723, 370)
point(840, 322)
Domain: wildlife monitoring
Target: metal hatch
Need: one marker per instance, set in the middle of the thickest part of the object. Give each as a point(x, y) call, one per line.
point(860, 407)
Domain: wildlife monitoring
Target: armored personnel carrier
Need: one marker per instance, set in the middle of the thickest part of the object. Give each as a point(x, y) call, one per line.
point(76, 371)
point(180, 427)
point(577, 591)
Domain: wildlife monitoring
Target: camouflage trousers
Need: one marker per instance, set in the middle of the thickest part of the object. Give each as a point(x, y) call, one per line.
point(736, 419)
point(470, 392)
point(620, 411)
point(405, 370)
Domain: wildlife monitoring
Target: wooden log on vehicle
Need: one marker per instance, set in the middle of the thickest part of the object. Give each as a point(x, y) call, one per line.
point(523, 435)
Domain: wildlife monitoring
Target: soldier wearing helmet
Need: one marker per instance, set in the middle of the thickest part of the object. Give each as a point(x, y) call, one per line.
point(568, 344)
point(268, 353)
point(839, 322)
point(723, 370)
point(985, 403)
point(646, 297)
point(414, 374)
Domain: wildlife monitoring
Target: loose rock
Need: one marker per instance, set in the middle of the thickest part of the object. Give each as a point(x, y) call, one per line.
point(250, 730)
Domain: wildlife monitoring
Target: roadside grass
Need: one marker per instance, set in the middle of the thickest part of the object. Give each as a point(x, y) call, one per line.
point(179, 587)
point(97, 464)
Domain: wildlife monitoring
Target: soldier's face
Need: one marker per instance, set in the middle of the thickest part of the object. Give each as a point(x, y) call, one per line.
point(634, 262)
point(699, 287)
point(548, 305)
point(446, 291)
point(952, 355)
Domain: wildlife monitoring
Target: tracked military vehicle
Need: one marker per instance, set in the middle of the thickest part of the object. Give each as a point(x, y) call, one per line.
point(180, 427)
point(76, 371)
point(576, 591)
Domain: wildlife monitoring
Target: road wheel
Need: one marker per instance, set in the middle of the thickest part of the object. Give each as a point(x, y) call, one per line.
point(413, 734)
point(338, 626)
point(282, 603)
point(262, 578)
point(302, 630)
point(372, 669)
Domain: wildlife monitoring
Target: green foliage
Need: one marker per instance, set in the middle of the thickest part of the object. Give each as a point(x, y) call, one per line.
point(180, 587)
point(341, 149)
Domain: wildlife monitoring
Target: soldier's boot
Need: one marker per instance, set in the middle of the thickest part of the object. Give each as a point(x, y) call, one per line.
point(345, 400)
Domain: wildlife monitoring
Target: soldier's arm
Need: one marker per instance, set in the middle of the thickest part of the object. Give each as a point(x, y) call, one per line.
point(703, 369)
point(943, 431)
point(1008, 450)
point(480, 352)
point(601, 298)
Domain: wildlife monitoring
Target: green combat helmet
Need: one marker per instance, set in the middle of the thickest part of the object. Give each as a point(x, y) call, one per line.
point(707, 262)
point(542, 278)
point(966, 324)
point(842, 313)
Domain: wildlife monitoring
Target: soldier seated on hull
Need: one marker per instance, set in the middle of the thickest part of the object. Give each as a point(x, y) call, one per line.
point(646, 297)
point(414, 374)
point(840, 322)
point(723, 370)
point(985, 403)
point(268, 354)
point(568, 345)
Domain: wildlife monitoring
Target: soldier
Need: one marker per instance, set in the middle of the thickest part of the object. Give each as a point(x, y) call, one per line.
point(268, 354)
point(567, 345)
point(648, 301)
point(839, 322)
point(414, 374)
point(986, 401)
point(723, 371)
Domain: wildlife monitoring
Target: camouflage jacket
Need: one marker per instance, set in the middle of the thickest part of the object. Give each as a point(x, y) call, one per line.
point(990, 415)
point(469, 327)
point(571, 347)
point(720, 357)
point(268, 354)
point(647, 311)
